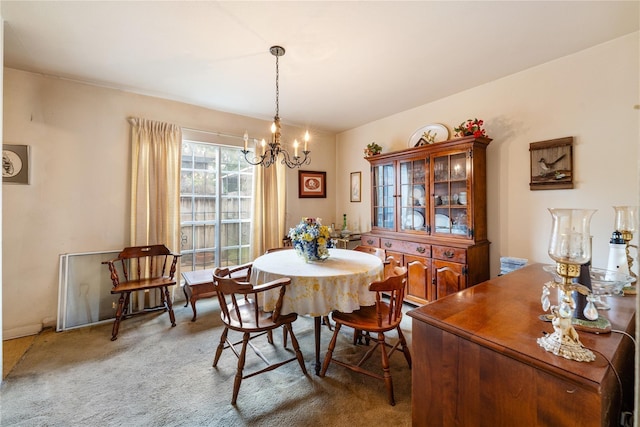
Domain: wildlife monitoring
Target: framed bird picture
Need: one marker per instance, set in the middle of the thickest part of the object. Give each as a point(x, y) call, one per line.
point(551, 164)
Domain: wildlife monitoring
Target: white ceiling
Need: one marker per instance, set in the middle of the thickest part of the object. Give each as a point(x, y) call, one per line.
point(347, 62)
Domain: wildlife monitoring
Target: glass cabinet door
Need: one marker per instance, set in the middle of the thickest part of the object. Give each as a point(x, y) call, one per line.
point(450, 194)
point(413, 198)
point(383, 182)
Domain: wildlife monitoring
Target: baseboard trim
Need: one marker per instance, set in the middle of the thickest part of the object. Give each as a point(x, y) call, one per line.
point(22, 331)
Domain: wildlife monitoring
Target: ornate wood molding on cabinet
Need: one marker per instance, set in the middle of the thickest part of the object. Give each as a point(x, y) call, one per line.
point(429, 210)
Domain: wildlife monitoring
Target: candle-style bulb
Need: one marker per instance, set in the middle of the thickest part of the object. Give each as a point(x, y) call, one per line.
point(246, 140)
point(306, 140)
point(295, 148)
point(273, 127)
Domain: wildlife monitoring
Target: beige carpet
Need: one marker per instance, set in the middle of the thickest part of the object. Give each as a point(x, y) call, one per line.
point(155, 375)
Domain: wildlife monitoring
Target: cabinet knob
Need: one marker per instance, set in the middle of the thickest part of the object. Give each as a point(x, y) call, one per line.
point(370, 242)
point(420, 250)
point(448, 253)
point(387, 244)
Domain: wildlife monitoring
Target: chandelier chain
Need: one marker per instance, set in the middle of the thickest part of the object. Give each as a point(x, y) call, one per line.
point(277, 86)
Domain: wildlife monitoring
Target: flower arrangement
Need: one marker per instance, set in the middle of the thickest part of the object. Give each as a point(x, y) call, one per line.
point(311, 239)
point(372, 149)
point(471, 127)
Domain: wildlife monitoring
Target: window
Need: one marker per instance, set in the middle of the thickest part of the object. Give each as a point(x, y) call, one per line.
point(216, 191)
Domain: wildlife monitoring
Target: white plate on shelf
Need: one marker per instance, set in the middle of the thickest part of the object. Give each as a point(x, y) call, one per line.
point(418, 192)
point(413, 219)
point(442, 221)
point(440, 131)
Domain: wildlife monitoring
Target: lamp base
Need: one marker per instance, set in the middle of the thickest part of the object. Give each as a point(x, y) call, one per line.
point(569, 348)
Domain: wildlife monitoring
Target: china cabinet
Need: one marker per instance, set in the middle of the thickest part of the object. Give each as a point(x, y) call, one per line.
point(429, 212)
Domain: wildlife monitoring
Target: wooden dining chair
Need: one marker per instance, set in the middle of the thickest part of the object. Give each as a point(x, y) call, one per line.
point(375, 319)
point(141, 268)
point(239, 311)
point(270, 250)
point(389, 263)
point(379, 252)
point(241, 272)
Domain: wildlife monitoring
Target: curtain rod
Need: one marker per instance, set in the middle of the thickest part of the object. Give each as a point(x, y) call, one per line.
point(228, 135)
point(131, 120)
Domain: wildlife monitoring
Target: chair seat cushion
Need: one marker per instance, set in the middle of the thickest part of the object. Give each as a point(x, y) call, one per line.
point(365, 318)
point(248, 317)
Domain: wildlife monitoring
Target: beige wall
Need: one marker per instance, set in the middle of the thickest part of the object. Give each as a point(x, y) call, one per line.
point(78, 200)
point(589, 95)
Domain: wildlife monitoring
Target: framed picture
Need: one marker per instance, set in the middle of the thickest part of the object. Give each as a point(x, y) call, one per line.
point(356, 181)
point(312, 184)
point(15, 164)
point(551, 164)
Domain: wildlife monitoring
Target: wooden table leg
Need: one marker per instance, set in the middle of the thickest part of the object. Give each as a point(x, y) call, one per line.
point(193, 307)
point(316, 330)
point(187, 293)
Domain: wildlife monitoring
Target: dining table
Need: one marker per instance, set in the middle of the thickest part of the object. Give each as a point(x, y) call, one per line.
point(340, 282)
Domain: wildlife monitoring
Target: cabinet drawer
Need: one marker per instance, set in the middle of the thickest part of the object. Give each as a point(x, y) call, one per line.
point(370, 241)
point(411, 248)
point(449, 254)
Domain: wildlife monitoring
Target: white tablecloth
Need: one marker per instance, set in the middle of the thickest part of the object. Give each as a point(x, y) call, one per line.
point(340, 282)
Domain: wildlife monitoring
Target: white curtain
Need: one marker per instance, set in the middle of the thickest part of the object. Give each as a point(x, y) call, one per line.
point(269, 201)
point(155, 187)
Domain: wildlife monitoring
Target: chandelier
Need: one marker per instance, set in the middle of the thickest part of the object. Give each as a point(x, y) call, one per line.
point(267, 154)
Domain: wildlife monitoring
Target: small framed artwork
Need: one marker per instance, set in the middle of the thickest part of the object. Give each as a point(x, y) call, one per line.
point(356, 181)
point(551, 164)
point(312, 184)
point(15, 164)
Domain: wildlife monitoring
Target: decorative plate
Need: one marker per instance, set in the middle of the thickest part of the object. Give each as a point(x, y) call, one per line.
point(440, 131)
point(442, 221)
point(413, 219)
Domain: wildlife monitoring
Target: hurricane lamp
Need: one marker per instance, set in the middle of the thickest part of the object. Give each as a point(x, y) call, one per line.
point(626, 220)
point(570, 247)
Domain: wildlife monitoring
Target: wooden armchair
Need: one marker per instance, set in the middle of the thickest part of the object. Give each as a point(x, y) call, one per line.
point(142, 268)
point(376, 319)
point(240, 312)
point(241, 272)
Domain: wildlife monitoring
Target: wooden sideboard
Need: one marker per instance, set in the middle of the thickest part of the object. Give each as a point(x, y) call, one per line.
point(479, 363)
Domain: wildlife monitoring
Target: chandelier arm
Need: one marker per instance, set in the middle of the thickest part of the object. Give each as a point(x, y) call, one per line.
point(254, 160)
point(296, 162)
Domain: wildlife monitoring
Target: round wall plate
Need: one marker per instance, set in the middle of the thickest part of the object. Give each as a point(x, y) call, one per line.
point(440, 131)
